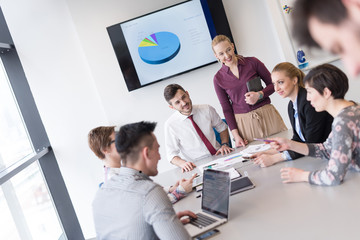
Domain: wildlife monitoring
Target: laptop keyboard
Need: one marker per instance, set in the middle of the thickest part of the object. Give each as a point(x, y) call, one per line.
point(202, 220)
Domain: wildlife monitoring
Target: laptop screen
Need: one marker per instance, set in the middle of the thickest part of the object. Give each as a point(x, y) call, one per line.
point(216, 192)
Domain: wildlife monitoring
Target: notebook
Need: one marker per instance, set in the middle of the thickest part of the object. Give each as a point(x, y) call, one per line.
point(254, 85)
point(214, 203)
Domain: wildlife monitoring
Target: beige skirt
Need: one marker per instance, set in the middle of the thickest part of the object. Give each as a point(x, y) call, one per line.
point(260, 123)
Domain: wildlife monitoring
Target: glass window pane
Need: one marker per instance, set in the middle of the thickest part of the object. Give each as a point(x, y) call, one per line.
point(26, 208)
point(14, 140)
point(8, 232)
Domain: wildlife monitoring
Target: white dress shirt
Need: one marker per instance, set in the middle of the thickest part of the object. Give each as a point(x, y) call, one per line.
point(181, 138)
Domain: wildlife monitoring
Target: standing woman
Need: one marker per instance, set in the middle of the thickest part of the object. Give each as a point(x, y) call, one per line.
point(308, 125)
point(248, 114)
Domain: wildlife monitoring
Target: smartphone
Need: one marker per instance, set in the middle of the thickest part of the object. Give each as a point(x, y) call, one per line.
point(241, 184)
point(208, 234)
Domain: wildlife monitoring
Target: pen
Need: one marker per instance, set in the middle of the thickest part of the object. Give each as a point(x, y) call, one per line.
point(232, 158)
point(264, 140)
point(210, 166)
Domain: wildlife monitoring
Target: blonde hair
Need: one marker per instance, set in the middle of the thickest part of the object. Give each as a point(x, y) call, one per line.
point(218, 39)
point(290, 71)
point(222, 38)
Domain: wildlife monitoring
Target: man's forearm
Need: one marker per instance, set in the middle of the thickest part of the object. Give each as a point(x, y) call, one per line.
point(177, 161)
point(224, 135)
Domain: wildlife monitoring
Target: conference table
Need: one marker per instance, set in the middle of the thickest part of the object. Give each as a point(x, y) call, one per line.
point(274, 210)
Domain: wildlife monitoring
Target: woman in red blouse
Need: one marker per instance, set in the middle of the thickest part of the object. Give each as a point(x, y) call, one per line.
point(249, 114)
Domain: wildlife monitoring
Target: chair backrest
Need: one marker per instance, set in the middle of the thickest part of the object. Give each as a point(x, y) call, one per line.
point(217, 135)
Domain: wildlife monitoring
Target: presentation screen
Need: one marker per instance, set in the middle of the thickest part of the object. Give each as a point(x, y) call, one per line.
point(168, 42)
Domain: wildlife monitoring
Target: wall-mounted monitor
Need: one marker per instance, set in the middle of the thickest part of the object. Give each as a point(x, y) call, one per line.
point(168, 42)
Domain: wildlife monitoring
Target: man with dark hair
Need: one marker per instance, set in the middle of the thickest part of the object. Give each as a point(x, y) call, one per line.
point(130, 205)
point(189, 131)
point(333, 25)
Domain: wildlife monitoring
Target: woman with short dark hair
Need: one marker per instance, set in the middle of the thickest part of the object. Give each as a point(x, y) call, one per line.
point(308, 125)
point(326, 86)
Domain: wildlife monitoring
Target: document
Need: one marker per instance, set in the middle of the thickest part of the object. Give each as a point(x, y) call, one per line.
point(254, 149)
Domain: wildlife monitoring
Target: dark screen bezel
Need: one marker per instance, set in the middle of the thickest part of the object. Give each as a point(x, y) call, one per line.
point(217, 23)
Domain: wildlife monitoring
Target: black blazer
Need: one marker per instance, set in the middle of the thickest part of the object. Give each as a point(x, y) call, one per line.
point(315, 126)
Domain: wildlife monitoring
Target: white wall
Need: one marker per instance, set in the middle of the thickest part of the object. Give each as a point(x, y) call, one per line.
point(64, 91)
point(148, 103)
point(77, 83)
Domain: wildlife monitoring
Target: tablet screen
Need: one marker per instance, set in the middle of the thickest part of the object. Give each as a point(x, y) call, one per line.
point(241, 184)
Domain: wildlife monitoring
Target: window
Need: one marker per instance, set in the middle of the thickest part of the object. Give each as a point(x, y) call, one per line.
point(27, 209)
point(34, 202)
point(14, 141)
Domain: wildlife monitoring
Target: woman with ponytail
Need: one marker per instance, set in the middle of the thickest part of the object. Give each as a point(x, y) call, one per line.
point(249, 114)
point(308, 125)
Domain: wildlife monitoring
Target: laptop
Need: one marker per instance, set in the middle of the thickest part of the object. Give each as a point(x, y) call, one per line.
point(214, 203)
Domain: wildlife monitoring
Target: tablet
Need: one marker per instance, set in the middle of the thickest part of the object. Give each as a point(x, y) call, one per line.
point(240, 185)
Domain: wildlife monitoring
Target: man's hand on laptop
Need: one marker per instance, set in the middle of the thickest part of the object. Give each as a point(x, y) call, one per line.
point(188, 214)
point(224, 149)
point(187, 166)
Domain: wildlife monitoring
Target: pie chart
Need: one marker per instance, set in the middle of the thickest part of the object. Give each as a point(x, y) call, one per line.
point(159, 47)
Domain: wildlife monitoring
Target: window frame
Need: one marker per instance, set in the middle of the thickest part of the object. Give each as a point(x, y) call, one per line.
point(37, 134)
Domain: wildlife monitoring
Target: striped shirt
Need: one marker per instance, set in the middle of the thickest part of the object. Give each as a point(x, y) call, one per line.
point(174, 196)
point(131, 206)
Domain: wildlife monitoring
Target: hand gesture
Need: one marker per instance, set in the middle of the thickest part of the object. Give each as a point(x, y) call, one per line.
point(187, 183)
point(187, 166)
point(289, 175)
point(280, 144)
point(239, 142)
point(252, 97)
point(224, 150)
point(173, 187)
point(265, 160)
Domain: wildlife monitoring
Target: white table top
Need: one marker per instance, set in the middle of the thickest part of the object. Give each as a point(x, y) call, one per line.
point(273, 210)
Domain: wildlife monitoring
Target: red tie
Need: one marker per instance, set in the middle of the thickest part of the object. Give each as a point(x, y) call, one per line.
point(209, 146)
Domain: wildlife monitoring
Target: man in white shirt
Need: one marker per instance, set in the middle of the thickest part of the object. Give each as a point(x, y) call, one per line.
point(181, 134)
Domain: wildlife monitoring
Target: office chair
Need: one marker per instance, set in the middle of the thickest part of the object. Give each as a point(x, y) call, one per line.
point(217, 135)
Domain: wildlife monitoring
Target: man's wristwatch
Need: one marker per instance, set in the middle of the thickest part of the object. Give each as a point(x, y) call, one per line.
point(227, 144)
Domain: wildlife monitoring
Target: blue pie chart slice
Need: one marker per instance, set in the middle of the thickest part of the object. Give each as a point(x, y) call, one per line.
point(159, 47)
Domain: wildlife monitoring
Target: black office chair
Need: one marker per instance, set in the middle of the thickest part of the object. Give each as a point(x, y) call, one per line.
point(217, 135)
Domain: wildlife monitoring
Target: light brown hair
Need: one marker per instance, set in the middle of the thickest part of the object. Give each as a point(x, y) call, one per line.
point(99, 139)
point(290, 71)
point(218, 39)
